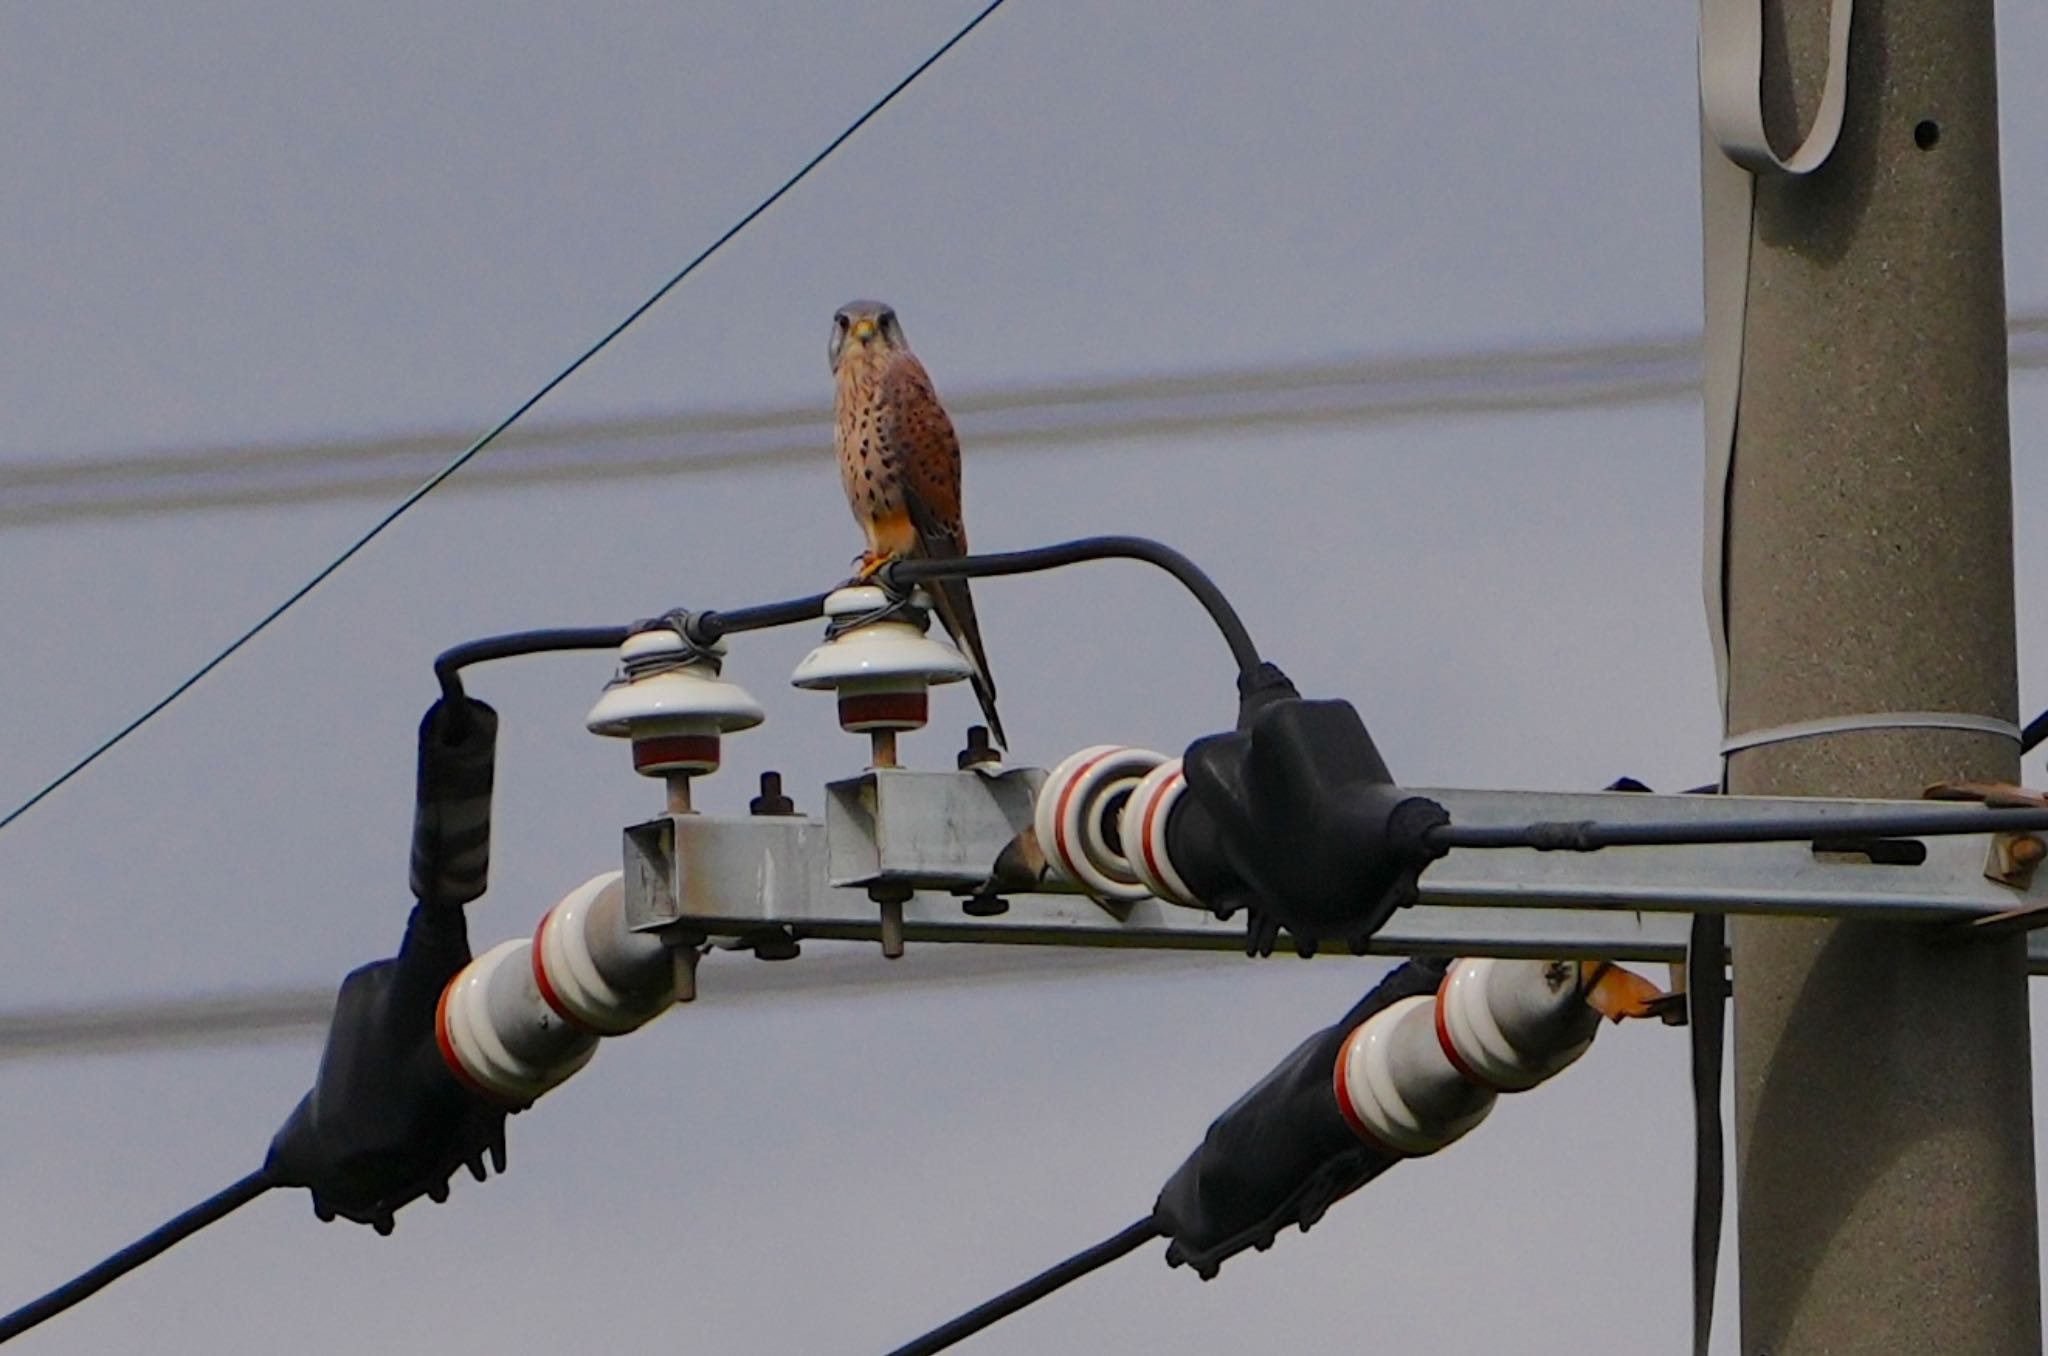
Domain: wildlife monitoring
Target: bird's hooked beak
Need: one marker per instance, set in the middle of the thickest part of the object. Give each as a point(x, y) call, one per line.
point(864, 329)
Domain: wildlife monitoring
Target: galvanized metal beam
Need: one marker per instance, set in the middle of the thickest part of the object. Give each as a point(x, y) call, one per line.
point(937, 834)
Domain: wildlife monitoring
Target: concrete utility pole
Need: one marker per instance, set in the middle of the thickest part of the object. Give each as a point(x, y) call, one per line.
point(1883, 1088)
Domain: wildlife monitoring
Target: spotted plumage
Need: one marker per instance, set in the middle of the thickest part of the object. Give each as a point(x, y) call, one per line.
point(899, 460)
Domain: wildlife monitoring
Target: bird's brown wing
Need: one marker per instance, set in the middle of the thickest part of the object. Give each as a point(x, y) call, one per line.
point(920, 438)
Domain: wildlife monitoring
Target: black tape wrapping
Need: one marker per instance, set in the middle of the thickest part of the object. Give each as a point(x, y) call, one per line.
point(1283, 1153)
point(451, 827)
point(386, 1122)
point(1297, 820)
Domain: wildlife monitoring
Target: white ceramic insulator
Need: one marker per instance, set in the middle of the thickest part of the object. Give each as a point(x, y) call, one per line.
point(1071, 812)
point(499, 1035)
point(1424, 1071)
point(690, 696)
point(595, 971)
point(1145, 818)
point(891, 647)
point(1514, 1023)
point(1397, 1087)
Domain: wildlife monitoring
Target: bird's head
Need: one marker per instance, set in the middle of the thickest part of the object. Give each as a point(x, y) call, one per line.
point(862, 328)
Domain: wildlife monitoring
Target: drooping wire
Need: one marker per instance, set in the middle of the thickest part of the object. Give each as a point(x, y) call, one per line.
point(904, 573)
point(448, 665)
point(209, 1211)
point(708, 627)
point(1587, 835)
point(463, 459)
point(1037, 1288)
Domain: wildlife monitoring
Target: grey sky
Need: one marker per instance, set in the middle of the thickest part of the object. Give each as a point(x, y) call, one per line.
point(253, 221)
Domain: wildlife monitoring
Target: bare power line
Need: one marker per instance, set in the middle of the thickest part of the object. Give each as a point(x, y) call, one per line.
point(1353, 393)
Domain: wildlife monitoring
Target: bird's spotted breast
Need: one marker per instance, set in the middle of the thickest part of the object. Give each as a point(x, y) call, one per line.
point(874, 484)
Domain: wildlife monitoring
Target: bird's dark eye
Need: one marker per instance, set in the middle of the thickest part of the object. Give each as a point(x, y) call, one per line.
point(840, 320)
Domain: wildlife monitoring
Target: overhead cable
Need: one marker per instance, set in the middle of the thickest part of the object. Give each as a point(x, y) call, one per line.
point(1037, 1288)
point(209, 1211)
point(1324, 393)
point(846, 969)
point(427, 487)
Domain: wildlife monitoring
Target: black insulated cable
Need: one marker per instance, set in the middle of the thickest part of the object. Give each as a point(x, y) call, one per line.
point(708, 627)
point(1037, 1288)
point(468, 454)
point(209, 1211)
point(900, 575)
point(1589, 835)
point(448, 665)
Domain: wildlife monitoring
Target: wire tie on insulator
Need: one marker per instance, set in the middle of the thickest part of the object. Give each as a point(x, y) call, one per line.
point(692, 653)
point(898, 608)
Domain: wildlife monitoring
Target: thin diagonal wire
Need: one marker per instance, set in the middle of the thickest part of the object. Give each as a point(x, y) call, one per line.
point(433, 482)
point(1030, 1292)
point(158, 1240)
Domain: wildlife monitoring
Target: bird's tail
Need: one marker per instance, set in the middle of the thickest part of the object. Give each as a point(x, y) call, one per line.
point(955, 606)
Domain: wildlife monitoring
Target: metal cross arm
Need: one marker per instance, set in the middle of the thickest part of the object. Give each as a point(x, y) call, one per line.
point(921, 846)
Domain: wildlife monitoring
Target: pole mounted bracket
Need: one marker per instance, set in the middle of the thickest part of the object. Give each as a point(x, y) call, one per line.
point(938, 834)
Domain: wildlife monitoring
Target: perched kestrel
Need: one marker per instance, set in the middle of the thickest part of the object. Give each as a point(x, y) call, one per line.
point(900, 460)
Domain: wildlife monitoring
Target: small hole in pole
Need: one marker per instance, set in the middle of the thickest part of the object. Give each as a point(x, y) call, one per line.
point(1926, 133)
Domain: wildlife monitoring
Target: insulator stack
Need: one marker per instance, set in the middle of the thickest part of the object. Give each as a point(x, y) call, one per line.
point(880, 659)
point(1082, 823)
point(521, 1018)
point(1146, 814)
point(670, 701)
point(1422, 1073)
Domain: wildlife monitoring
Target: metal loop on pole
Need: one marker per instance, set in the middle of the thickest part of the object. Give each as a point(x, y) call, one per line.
point(1731, 87)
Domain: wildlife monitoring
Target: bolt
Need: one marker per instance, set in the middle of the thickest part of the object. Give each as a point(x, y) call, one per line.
point(678, 793)
point(891, 898)
point(684, 960)
point(984, 906)
point(979, 752)
point(771, 801)
point(883, 744)
point(2014, 857)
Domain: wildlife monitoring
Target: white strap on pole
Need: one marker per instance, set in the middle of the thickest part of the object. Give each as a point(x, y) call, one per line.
point(1734, 148)
point(1731, 87)
point(1887, 720)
